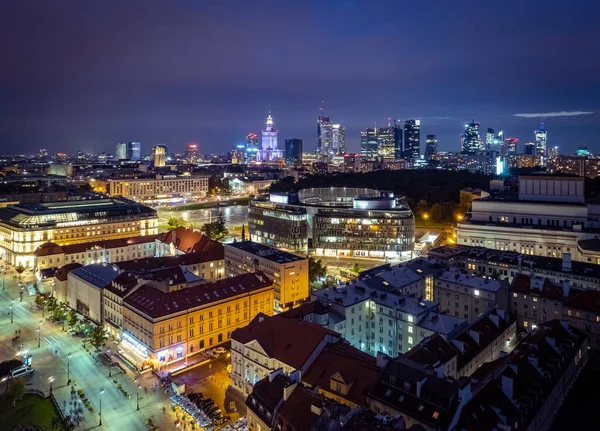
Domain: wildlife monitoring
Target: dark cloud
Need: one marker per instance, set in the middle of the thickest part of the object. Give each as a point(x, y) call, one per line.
point(84, 75)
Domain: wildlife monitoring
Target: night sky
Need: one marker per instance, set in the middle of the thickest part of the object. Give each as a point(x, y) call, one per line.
point(85, 75)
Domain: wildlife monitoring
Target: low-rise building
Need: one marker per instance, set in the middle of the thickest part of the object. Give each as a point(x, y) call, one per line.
point(264, 346)
point(467, 296)
point(288, 272)
point(167, 326)
point(160, 188)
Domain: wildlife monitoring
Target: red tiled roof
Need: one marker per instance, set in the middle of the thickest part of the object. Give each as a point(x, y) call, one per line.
point(51, 248)
point(433, 351)
point(48, 249)
point(296, 412)
point(588, 300)
point(522, 283)
point(357, 369)
point(291, 341)
point(156, 303)
point(122, 284)
point(184, 239)
point(63, 271)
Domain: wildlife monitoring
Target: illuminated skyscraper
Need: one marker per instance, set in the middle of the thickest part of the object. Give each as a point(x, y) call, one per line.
point(338, 139)
point(191, 153)
point(252, 147)
point(431, 144)
point(386, 144)
point(369, 144)
point(490, 136)
point(324, 138)
point(412, 139)
point(121, 151)
point(128, 151)
point(540, 143)
point(510, 146)
point(471, 139)
point(553, 152)
point(293, 152)
point(530, 148)
point(269, 152)
point(397, 141)
point(159, 155)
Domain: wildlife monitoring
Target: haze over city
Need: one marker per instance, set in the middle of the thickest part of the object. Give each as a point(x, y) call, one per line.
point(85, 75)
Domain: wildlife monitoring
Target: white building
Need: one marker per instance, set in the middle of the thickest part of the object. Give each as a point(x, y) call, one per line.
point(160, 188)
point(270, 151)
point(548, 217)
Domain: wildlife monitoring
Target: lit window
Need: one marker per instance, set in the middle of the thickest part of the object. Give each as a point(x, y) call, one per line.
point(476, 292)
point(526, 323)
point(410, 340)
point(410, 329)
point(535, 299)
point(410, 319)
point(515, 295)
point(436, 415)
point(569, 312)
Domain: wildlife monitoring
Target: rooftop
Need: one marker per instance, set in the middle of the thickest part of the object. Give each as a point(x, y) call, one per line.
point(266, 252)
point(51, 248)
point(458, 277)
point(156, 303)
point(441, 323)
point(273, 335)
point(98, 274)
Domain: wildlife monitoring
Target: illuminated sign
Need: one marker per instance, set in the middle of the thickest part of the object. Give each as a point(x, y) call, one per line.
point(135, 344)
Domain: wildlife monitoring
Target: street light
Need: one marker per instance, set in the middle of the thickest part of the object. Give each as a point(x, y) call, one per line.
point(137, 394)
point(64, 317)
point(5, 379)
point(38, 331)
point(69, 369)
point(11, 310)
point(50, 379)
point(109, 363)
point(44, 308)
point(101, 392)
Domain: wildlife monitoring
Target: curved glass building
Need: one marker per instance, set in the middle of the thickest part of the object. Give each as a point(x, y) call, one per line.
point(334, 221)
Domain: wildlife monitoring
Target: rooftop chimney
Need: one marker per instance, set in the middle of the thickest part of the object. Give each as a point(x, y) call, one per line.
point(566, 262)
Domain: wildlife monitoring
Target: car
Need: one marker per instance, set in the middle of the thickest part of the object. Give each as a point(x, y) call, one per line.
point(206, 403)
point(220, 350)
point(21, 371)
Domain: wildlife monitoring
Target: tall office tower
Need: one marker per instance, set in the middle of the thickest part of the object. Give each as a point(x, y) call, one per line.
point(134, 150)
point(121, 151)
point(238, 155)
point(293, 152)
point(530, 148)
point(431, 144)
point(490, 137)
point(540, 143)
point(252, 147)
point(397, 141)
point(324, 137)
point(553, 152)
point(510, 146)
point(386, 145)
point(412, 139)
point(338, 139)
point(269, 152)
point(470, 139)
point(368, 144)
point(191, 153)
point(159, 155)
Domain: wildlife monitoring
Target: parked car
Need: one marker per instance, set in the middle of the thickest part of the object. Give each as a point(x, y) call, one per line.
point(21, 371)
point(220, 350)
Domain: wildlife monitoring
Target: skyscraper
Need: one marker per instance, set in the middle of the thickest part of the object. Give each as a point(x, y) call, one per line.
point(269, 152)
point(121, 151)
point(510, 146)
point(490, 137)
point(293, 152)
point(386, 144)
point(397, 141)
point(191, 153)
point(159, 155)
point(471, 139)
point(324, 137)
point(251, 147)
point(431, 144)
point(412, 139)
point(368, 144)
point(128, 151)
point(530, 148)
point(540, 143)
point(338, 139)
point(553, 152)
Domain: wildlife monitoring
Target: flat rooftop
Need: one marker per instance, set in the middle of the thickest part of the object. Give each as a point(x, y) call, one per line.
point(265, 251)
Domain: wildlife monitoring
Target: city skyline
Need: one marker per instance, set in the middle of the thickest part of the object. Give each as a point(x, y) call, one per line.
point(105, 86)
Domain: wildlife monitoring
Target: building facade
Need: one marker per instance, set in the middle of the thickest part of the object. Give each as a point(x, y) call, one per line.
point(412, 139)
point(160, 188)
point(293, 152)
point(270, 151)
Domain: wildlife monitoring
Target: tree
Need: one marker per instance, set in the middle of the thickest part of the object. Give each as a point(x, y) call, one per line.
point(216, 230)
point(16, 390)
point(51, 304)
point(243, 232)
point(175, 222)
point(20, 270)
point(72, 319)
point(63, 423)
point(355, 268)
point(98, 336)
point(316, 269)
point(437, 213)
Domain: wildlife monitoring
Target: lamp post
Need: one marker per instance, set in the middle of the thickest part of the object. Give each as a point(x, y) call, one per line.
point(11, 311)
point(101, 392)
point(137, 393)
point(63, 319)
point(109, 363)
point(50, 379)
point(44, 308)
point(39, 334)
point(69, 369)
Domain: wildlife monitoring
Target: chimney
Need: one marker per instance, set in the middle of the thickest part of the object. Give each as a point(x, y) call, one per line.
point(566, 288)
point(566, 262)
point(507, 386)
point(287, 391)
point(382, 359)
point(315, 409)
point(420, 384)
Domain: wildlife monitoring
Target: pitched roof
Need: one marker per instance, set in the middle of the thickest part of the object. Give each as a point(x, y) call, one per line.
point(156, 303)
point(276, 336)
point(434, 351)
point(544, 287)
point(588, 300)
point(64, 270)
point(355, 368)
point(185, 240)
point(51, 248)
point(266, 396)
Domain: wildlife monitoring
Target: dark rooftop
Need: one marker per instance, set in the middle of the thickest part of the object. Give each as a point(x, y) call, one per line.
point(265, 251)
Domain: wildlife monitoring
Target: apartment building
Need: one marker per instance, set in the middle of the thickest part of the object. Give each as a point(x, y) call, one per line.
point(288, 272)
point(267, 344)
point(167, 326)
point(466, 296)
point(160, 188)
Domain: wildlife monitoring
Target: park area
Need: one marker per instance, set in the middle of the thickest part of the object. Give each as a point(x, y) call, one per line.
point(32, 409)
